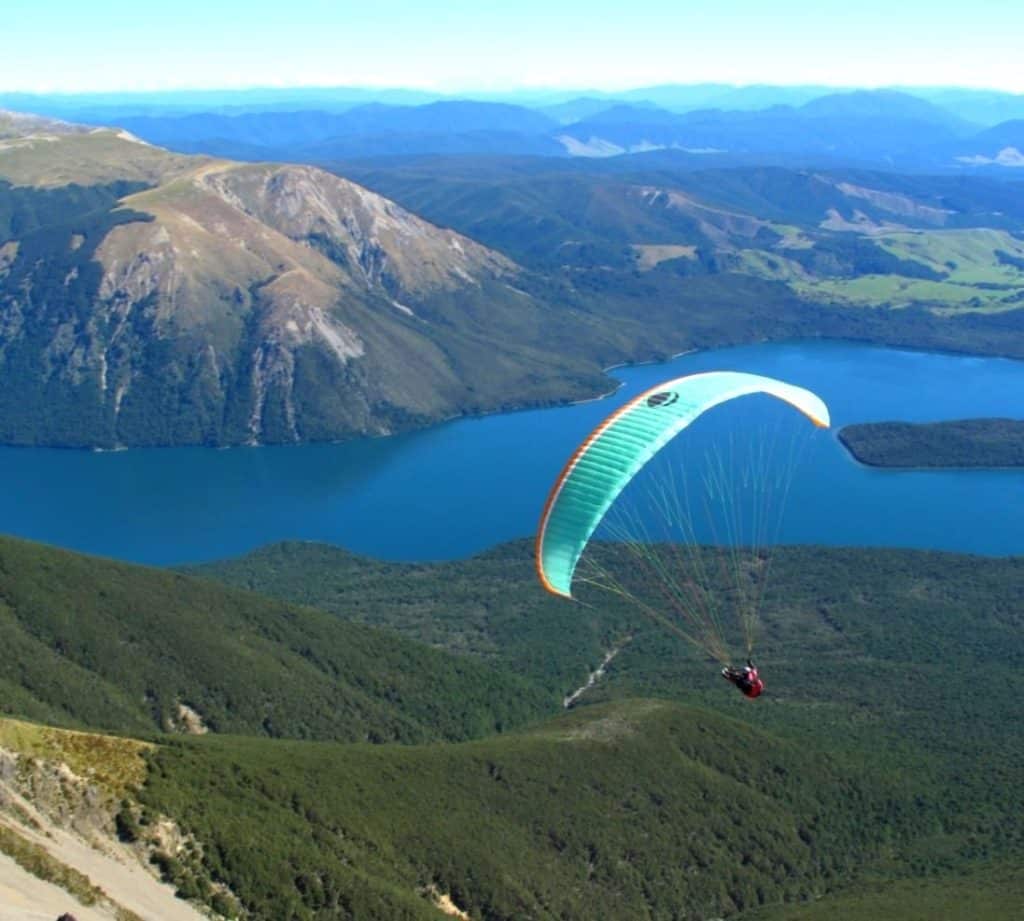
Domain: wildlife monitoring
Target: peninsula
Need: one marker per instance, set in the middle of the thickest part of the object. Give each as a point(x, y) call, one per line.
point(953, 443)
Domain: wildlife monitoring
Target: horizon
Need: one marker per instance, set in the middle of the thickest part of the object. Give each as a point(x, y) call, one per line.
point(470, 91)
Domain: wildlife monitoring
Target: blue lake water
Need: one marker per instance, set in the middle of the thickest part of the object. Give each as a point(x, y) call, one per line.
point(464, 486)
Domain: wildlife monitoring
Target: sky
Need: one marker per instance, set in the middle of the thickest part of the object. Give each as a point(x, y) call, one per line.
point(489, 45)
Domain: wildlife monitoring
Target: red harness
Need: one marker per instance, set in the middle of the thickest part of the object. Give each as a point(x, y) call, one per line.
point(748, 681)
point(754, 688)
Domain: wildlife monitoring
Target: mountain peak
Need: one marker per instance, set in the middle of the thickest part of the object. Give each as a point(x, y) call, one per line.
point(881, 103)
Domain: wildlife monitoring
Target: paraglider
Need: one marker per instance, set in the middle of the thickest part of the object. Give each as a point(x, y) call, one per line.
point(604, 465)
point(746, 679)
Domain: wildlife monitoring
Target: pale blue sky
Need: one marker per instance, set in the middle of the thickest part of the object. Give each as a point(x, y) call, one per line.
point(83, 45)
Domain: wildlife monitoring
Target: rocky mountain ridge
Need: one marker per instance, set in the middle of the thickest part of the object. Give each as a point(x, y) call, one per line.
point(175, 299)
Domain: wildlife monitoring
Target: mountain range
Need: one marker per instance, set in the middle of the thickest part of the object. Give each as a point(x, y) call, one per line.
point(983, 107)
point(886, 128)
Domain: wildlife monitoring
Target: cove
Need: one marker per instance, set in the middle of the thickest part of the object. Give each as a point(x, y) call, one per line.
point(461, 487)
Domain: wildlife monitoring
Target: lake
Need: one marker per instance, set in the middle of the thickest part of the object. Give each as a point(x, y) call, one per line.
point(461, 487)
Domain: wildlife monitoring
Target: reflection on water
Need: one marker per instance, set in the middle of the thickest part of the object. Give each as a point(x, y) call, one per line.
point(464, 486)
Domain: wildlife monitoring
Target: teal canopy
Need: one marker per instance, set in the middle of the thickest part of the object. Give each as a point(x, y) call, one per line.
point(620, 446)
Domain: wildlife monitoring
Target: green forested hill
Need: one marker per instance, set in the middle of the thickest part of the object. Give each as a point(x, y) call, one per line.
point(861, 648)
point(941, 630)
point(642, 237)
point(119, 647)
point(951, 443)
point(904, 664)
point(884, 763)
point(636, 810)
point(989, 891)
point(489, 606)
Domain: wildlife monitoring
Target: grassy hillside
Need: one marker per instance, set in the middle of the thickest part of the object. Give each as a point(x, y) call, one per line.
point(66, 798)
point(847, 239)
point(116, 765)
point(112, 646)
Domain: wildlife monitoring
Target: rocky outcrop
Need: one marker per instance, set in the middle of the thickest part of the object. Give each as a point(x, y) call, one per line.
point(63, 799)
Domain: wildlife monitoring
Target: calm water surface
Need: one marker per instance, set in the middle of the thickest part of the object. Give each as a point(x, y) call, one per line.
point(459, 488)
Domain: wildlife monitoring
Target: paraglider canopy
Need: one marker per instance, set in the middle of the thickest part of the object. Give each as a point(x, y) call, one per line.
point(619, 448)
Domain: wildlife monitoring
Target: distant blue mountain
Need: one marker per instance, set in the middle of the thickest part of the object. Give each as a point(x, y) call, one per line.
point(1008, 134)
point(111, 108)
point(882, 104)
point(575, 110)
point(446, 117)
point(632, 115)
point(868, 128)
point(1000, 147)
point(981, 107)
point(367, 130)
point(260, 130)
point(984, 107)
point(683, 98)
point(397, 144)
point(858, 126)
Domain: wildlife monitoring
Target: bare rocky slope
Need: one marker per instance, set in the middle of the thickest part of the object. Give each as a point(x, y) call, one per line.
point(153, 298)
point(66, 799)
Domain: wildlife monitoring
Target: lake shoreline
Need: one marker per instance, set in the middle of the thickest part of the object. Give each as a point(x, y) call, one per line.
point(534, 405)
point(451, 491)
